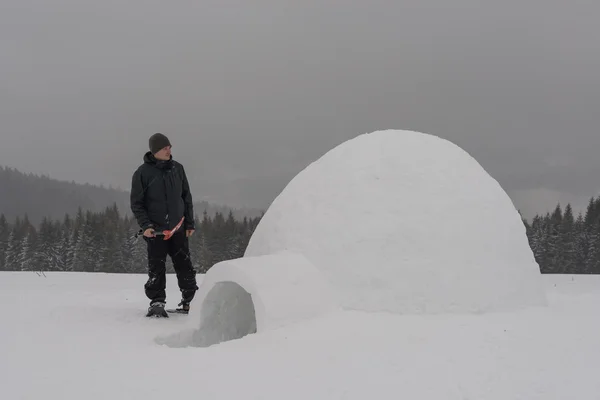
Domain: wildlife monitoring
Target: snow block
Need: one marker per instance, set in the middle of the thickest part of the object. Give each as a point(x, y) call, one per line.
point(254, 294)
point(404, 222)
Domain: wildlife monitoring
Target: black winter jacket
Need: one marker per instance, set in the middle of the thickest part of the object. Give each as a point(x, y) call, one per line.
point(160, 195)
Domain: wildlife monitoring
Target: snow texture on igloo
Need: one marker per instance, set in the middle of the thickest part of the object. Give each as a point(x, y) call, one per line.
point(405, 222)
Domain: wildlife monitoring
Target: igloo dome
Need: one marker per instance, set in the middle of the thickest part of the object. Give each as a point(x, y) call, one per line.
point(404, 222)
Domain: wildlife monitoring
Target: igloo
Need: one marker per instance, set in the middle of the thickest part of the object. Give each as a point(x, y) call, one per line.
point(390, 221)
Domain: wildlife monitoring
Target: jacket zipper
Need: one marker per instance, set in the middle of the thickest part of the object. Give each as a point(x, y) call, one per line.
point(166, 199)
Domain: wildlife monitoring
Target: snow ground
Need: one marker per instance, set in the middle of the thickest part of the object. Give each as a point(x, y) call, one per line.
point(84, 336)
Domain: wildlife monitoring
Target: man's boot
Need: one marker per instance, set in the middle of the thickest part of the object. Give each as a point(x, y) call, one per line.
point(183, 307)
point(157, 309)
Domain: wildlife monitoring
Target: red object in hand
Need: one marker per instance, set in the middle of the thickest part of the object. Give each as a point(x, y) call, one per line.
point(168, 233)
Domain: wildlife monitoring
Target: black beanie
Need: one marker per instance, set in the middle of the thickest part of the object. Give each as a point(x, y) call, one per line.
point(157, 142)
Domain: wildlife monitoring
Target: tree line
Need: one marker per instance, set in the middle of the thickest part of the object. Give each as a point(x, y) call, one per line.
point(105, 241)
point(565, 244)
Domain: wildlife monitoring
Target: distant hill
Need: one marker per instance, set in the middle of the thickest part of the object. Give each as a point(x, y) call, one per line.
point(40, 196)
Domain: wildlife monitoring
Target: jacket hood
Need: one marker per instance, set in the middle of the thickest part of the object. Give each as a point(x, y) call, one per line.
point(150, 159)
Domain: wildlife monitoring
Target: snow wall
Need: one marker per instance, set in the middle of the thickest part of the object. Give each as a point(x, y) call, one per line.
point(405, 222)
point(394, 221)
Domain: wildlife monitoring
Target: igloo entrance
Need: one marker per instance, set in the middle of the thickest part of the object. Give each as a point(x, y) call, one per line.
point(227, 313)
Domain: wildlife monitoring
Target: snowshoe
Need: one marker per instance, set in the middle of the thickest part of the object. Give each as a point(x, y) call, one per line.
point(157, 310)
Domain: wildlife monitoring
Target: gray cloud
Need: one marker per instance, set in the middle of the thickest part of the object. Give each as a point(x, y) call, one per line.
point(251, 92)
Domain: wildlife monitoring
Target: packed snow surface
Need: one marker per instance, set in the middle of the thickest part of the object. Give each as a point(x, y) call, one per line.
point(405, 222)
point(73, 336)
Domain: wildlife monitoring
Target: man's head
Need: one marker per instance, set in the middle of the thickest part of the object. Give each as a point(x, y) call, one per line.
point(160, 146)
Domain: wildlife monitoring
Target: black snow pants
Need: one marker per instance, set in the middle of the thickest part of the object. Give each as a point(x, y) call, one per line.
point(177, 247)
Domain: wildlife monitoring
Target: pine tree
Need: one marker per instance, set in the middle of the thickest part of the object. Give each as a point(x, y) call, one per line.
point(580, 246)
point(206, 260)
point(555, 259)
point(75, 230)
point(79, 258)
point(11, 258)
point(591, 234)
point(205, 257)
point(139, 260)
point(591, 213)
point(539, 241)
point(64, 245)
point(567, 241)
point(5, 230)
point(232, 235)
point(127, 250)
point(24, 259)
point(46, 251)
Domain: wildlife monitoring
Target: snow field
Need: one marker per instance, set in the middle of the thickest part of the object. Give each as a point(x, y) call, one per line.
point(76, 335)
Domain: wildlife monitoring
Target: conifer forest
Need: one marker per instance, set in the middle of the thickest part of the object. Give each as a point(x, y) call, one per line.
point(106, 241)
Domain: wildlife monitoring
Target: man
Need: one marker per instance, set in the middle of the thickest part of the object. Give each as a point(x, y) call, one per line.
point(160, 198)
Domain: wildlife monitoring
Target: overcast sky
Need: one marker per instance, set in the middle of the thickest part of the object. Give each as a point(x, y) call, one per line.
point(250, 92)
